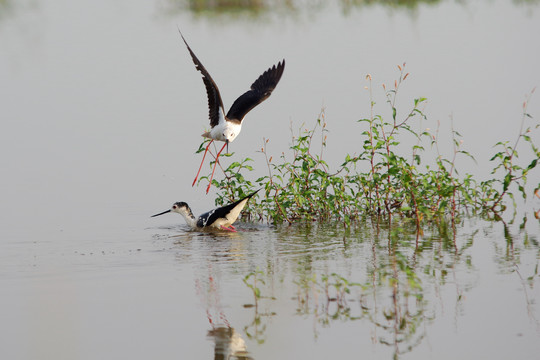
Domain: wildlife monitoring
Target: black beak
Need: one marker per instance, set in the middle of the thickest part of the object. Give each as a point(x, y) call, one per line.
point(161, 213)
point(227, 142)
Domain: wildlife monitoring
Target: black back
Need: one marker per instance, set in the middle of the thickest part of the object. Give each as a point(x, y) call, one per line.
point(210, 217)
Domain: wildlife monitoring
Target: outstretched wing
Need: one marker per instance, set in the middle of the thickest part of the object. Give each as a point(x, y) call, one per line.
point(260, 90)
point(215, 105)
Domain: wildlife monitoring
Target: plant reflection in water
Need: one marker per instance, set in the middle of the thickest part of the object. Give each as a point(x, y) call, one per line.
point(398, 293)
point(383, 278)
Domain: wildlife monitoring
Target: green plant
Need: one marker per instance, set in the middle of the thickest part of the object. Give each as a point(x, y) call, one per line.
point(506, 160)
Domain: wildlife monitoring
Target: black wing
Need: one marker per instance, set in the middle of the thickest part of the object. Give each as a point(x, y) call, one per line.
point(261, 89)
point(214, 98)
point(210, 217)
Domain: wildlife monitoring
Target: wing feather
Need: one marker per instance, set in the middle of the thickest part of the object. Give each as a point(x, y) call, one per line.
point(215, 104)
point(260, 90)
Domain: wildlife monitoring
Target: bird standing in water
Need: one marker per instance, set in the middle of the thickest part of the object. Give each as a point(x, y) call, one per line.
point(227, 127)
point(219, 218)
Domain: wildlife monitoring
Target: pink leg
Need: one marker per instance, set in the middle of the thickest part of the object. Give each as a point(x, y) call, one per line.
point(231, 228)
point(200, 167)
point(215, 164)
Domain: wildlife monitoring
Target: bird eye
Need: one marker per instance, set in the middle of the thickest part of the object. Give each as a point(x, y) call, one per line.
point(175, 207)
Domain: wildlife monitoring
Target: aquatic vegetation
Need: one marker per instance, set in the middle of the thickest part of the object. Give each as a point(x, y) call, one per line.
point(400, 289)
point(418, 183)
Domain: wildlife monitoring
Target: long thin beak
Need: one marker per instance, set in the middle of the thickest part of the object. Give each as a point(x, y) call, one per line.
point(161, 213)
point(227, 142)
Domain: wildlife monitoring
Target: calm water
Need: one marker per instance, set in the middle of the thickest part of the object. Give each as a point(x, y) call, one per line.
point(101, 111)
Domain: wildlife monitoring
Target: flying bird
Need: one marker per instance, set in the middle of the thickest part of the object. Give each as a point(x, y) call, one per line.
point(219, 218)
point(226, 127)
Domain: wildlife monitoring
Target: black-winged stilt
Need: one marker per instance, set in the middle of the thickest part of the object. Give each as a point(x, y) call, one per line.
point(227, 127)
point(220, 218)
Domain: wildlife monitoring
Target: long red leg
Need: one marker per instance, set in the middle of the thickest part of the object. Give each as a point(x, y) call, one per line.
point(213, 170)
point(231, 228)
point(202, 162)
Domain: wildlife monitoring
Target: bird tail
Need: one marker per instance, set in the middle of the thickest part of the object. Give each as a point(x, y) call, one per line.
point(253, 193)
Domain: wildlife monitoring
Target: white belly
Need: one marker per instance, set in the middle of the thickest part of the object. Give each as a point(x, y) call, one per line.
point(225, 131)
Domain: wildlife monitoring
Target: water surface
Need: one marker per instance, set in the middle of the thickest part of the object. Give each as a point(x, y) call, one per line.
point(102, 110)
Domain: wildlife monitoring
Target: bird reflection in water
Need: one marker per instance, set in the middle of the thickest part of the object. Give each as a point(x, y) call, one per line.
point(228, 344)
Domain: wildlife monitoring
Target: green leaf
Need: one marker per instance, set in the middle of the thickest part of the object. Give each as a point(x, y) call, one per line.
point(507, 181)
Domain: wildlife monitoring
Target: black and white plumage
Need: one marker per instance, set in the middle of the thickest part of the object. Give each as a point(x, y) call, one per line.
point(226, 127)
point(220, 218)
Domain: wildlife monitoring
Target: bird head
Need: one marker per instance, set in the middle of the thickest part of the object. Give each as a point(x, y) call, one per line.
point(229, 134)
point(179, 207)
